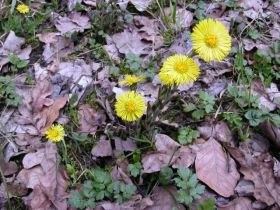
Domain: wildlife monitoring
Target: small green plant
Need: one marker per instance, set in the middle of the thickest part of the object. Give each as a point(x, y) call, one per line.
point(199, 8)
point(133, 62)
point(16, 62)
point(204, 105)
point(208, 204)
point(242, 97)
point(134, 169)
point(99, 188)
point(189, 188)
point(8, 95)
point(165, 175)
point(187, 135)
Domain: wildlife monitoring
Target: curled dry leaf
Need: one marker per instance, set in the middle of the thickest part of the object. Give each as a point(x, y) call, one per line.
point(216, 169)
point(90, 119)
point(122, 146)
point(258, 168)
point(168, 152)
point(44, 119)
point(46, 180)
point(240, 203)
point(75, 22)
point(271, 131)
point(13, 45)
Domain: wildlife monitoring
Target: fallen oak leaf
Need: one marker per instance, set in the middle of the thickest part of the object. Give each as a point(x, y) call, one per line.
point(44, 119)
point(215, 169)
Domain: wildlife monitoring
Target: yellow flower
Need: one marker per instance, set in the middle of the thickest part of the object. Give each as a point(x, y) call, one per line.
point(211, 40)
point(130, 106)
point(22, 8)
point(131, 80)
point(55, 133)
point(178, 69)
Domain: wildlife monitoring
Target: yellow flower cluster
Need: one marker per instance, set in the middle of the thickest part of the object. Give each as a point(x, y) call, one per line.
point(23, 8)
point(211, 41)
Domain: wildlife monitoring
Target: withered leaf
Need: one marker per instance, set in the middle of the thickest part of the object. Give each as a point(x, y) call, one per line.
point(215, 169)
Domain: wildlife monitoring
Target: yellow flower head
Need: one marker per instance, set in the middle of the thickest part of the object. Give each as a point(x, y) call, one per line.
point(130, 106)
point(22, 8)
point(211, 40)
point(178, 69)
point(55, 133)
point(131, 80)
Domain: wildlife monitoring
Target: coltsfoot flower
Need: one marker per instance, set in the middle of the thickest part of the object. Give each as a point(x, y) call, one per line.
point(131, 80)
point(55, 133)
point(22, 8)
point(130, 106)
point(179, 69)
point(211, 40)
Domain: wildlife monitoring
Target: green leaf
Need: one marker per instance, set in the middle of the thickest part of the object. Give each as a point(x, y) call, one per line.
point(255, 117)
point(187, 135)
point(198, 114)
point(208, 204)
point(165, 175)
point(189, 107)
point(134, 169)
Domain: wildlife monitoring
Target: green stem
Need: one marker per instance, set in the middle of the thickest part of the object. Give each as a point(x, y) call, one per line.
point(65, 152)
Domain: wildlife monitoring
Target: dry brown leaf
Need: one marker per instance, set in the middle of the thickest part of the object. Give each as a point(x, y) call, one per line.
point(184, 157)
point(271, 132)
point(130, 42)
point(62, 47)
point(215, 169)
point(122, 146)
point(140, 5)
point(245, 188)
point(163, 199)
point(103, 148)
point(75, 22)
point(33, 158)
point(9, 168)
point(44, 119)
point(42, 90)
point(90, 119)
point(47, 181)
point(149, 30)
point(154, 162)
point(258, 168)
point(49, 37)
point(165, 144)
point(240, 203)
point(13, 45)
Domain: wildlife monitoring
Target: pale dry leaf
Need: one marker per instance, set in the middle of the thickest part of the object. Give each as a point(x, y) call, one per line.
point(72, 3)
point(13, 45)
point(271, 131)
point(30, 177)
point(165, 144)
point(90, 119)
point(33, 158)
point(154, 162)
point(163, 199)
point(49, 37)
point(124, 145)
point(183, 18)
point(59, 49)
point(80, 75)
point(148, 30)
point(75, 22)
point(103, 148)
point(215, 169)
point(241, 203)
point(141, 5)
point(184, 157)
point(130, 42)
